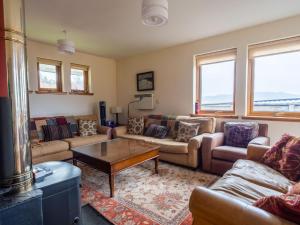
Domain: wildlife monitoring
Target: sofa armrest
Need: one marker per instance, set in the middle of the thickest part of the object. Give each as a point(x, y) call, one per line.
point(210, 142)
point(260, 141)
point(256, 152)
point(105, 130)
point(214, 208)
point(117, 131)
point(196, 142)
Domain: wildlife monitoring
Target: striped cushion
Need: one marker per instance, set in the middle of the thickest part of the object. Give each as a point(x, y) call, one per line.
point(156, 131)
point(65, 131)
point(51, 132)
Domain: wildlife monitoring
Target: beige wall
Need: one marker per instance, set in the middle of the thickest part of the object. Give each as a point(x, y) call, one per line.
point(103, 83)
point(174, 75)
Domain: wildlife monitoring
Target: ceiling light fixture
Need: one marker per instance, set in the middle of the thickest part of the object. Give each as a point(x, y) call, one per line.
point(155, 12)
point(65, 45)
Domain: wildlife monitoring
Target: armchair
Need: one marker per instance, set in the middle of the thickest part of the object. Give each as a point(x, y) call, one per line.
point(218, 158)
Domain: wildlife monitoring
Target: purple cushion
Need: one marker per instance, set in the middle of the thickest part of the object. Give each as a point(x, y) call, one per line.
point(239, 134)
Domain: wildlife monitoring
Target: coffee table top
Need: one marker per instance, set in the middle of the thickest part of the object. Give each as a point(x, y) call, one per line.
point(115, 150)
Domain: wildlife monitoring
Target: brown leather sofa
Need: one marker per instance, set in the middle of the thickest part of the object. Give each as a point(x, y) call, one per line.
point(186, 154)
point(230, 200)
point(218, 158)
point(60, 149)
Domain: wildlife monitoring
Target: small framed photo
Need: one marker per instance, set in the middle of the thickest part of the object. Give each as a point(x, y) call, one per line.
point(145, 81)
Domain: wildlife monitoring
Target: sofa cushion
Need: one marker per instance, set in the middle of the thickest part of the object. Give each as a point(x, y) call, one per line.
point(87, 127)
point(86, 140)
point(167, 145)
point(51, 132)
point(45, 148)
point(136, 125)
point(156, 131)
point(261, 175)
point(242, 189)
point(207, 124)
point(186, 131)
point(229, 153)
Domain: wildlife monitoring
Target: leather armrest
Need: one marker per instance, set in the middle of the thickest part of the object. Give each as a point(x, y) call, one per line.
point(260, 141)
point(105, 130)
point(256, 152)
point(117, 131)
point(210, 142)
point(216, 208)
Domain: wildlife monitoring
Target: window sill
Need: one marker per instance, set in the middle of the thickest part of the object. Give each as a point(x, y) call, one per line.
point(51, 92)
point(80, 93)
point(216, 116)
point(270, 118)
point(30, 91)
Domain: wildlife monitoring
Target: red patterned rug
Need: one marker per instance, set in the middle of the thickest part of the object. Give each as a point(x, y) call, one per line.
point(143, 197)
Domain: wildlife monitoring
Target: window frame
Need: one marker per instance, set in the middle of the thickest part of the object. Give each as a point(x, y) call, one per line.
point(215, 57)
point(86, 76)
point(270, 49)
point(58, 65)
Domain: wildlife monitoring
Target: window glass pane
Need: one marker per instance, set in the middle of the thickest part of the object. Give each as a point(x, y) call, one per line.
point(77, 79)
point(48, 76)
point(217, 86)
point(277, 82)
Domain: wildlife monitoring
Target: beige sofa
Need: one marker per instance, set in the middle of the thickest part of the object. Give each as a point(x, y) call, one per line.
point(60, 149)
point(186, 154)
point(230, 200)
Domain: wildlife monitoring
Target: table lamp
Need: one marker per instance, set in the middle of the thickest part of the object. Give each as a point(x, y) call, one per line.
point(116, 110)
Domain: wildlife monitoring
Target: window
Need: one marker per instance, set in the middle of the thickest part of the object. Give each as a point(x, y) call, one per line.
point(274, 79)
point(216, 82)
point(79, 78)
point(49, 75)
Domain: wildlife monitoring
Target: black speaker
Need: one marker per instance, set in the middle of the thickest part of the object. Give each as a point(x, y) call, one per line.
point(102, 111)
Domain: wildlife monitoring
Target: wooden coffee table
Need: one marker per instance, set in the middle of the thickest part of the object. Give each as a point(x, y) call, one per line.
point(116, 155)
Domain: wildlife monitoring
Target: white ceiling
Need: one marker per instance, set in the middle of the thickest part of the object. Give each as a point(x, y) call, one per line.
point(113, 28)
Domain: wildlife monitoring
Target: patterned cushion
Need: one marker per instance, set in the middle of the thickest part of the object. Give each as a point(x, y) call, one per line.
point(65, 131)
point(156, 131)
point(39, 128)
point(186, 131)
point(73, 125)
point(290, 162)
point(87, 127)
point(136, 125)
point(51, 121)
point(272, 157)
point(51, 132)
point(239, 134)
point(285, 206)
point(61, 121)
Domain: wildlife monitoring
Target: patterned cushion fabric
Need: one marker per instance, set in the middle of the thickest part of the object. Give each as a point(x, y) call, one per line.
point(239, 134)
point(290, 162)
point(272, 157)
point(51, 132)
point(87, 127)
point(136, 125)
point(156, 131)
point(61, 121)
point(65, 131)
point(39, 128)
point(73, 125)
point(295, 189)
point(186, 131)
point(285, 206)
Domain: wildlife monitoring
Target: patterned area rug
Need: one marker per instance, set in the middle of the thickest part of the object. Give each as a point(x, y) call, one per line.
point(143, 197)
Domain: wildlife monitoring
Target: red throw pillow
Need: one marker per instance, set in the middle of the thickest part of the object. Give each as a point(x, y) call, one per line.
point(290, 161)
point(61, 121)
point(285, 206)
point(272, 157)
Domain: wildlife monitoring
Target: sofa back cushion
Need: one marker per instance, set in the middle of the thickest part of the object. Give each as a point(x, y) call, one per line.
point(206, 124)
point(262, 129)
point(156, 131)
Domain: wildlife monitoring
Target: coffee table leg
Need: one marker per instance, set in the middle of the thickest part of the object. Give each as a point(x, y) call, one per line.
point(112, 184)
point(156, 165)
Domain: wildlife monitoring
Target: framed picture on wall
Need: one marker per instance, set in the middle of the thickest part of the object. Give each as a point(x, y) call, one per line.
point(145, 81)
